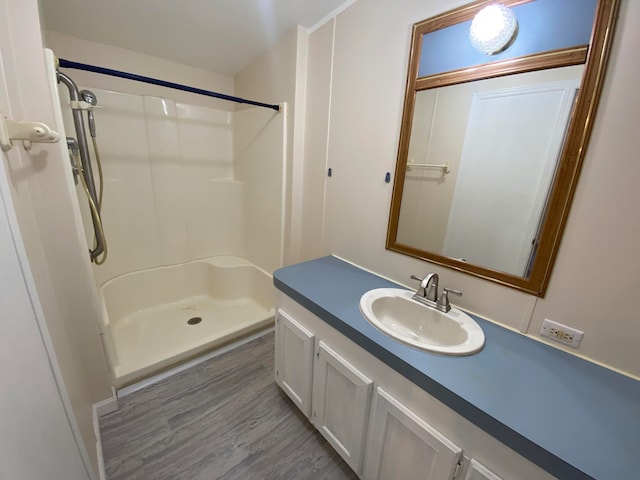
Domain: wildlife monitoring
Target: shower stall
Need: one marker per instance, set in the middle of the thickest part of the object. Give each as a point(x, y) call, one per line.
point(192, 213)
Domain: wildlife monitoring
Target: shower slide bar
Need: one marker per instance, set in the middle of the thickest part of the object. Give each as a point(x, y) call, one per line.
point(84, 168)
point(154, 81)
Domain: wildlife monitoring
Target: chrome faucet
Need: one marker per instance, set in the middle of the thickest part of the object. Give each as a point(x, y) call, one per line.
point(427, 293)
point(428, 286)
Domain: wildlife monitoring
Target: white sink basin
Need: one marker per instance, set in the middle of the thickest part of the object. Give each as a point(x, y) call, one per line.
point(392, 311)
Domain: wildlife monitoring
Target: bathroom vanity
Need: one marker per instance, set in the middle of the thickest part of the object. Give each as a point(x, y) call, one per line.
point(518, 409)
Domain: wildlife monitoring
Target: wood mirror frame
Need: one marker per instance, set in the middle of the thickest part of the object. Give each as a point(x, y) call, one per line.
point(594, 57)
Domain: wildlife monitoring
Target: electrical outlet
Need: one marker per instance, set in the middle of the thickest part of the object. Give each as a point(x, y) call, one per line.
point(561, 333)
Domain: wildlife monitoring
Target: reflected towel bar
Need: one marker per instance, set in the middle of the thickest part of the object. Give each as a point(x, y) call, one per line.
point(154, 81)
point(444, 168)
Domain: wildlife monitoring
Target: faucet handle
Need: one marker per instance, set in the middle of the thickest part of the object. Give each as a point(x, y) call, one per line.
point(421, 292)
point(443, 301)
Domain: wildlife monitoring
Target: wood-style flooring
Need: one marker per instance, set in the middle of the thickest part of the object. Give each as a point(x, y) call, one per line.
point(222, 419)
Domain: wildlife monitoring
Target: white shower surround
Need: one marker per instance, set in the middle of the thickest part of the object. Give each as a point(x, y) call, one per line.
point(181, 183)
point(184, 182)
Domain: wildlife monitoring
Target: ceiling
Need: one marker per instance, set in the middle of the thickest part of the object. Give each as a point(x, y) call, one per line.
point(221, 36)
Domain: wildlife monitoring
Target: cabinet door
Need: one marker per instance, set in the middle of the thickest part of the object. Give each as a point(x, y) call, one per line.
point(341, 399)
point(477, 471)
point(402, 445)
point(294, 360)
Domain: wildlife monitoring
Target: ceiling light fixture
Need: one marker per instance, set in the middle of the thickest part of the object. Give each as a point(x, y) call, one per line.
point(492, 29)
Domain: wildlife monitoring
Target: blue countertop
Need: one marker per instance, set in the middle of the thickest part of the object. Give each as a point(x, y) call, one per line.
point(571, 417)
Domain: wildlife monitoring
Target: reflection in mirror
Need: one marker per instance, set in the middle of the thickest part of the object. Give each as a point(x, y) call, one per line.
point(501, 139)
point(491, 145)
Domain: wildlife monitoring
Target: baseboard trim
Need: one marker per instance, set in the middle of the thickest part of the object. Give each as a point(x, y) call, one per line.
point(108, 405)
point(101, 408)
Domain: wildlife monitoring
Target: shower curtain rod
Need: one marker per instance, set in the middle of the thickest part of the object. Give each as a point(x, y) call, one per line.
point(154, 81)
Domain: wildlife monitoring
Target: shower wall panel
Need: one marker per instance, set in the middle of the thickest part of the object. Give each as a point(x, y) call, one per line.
point(166, 178)
point(129, 213)
point(169, 193)
point(214, 212)
point(260, 154)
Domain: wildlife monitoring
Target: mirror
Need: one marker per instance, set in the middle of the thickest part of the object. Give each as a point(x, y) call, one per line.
point(491, 145)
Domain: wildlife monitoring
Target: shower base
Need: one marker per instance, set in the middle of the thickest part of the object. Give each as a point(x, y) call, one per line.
point(158, 318)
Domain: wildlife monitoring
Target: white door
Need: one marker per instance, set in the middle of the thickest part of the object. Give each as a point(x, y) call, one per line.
point(508, 162)
point(402, 445)
point(294, 360)
point(341, 399)
point(36, 440)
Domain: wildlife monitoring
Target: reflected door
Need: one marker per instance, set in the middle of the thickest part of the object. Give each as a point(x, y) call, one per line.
point(512, 144)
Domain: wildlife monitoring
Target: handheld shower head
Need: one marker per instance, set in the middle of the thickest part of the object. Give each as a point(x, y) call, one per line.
point(90, 97)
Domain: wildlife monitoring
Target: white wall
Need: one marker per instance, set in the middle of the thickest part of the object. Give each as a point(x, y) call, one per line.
point(36, 440)
point(598, 263)
point(319, 71)
point(41, 189)
point(598, 266)
point(274, 77)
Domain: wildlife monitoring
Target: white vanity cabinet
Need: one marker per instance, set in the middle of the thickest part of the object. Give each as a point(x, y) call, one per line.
point(384, 426)
point(336, 395)
point(341, 399)
point(403, 445)
point(294, 360)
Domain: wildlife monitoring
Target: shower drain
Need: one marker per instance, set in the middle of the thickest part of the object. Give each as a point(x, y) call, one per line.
point(194, 320)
